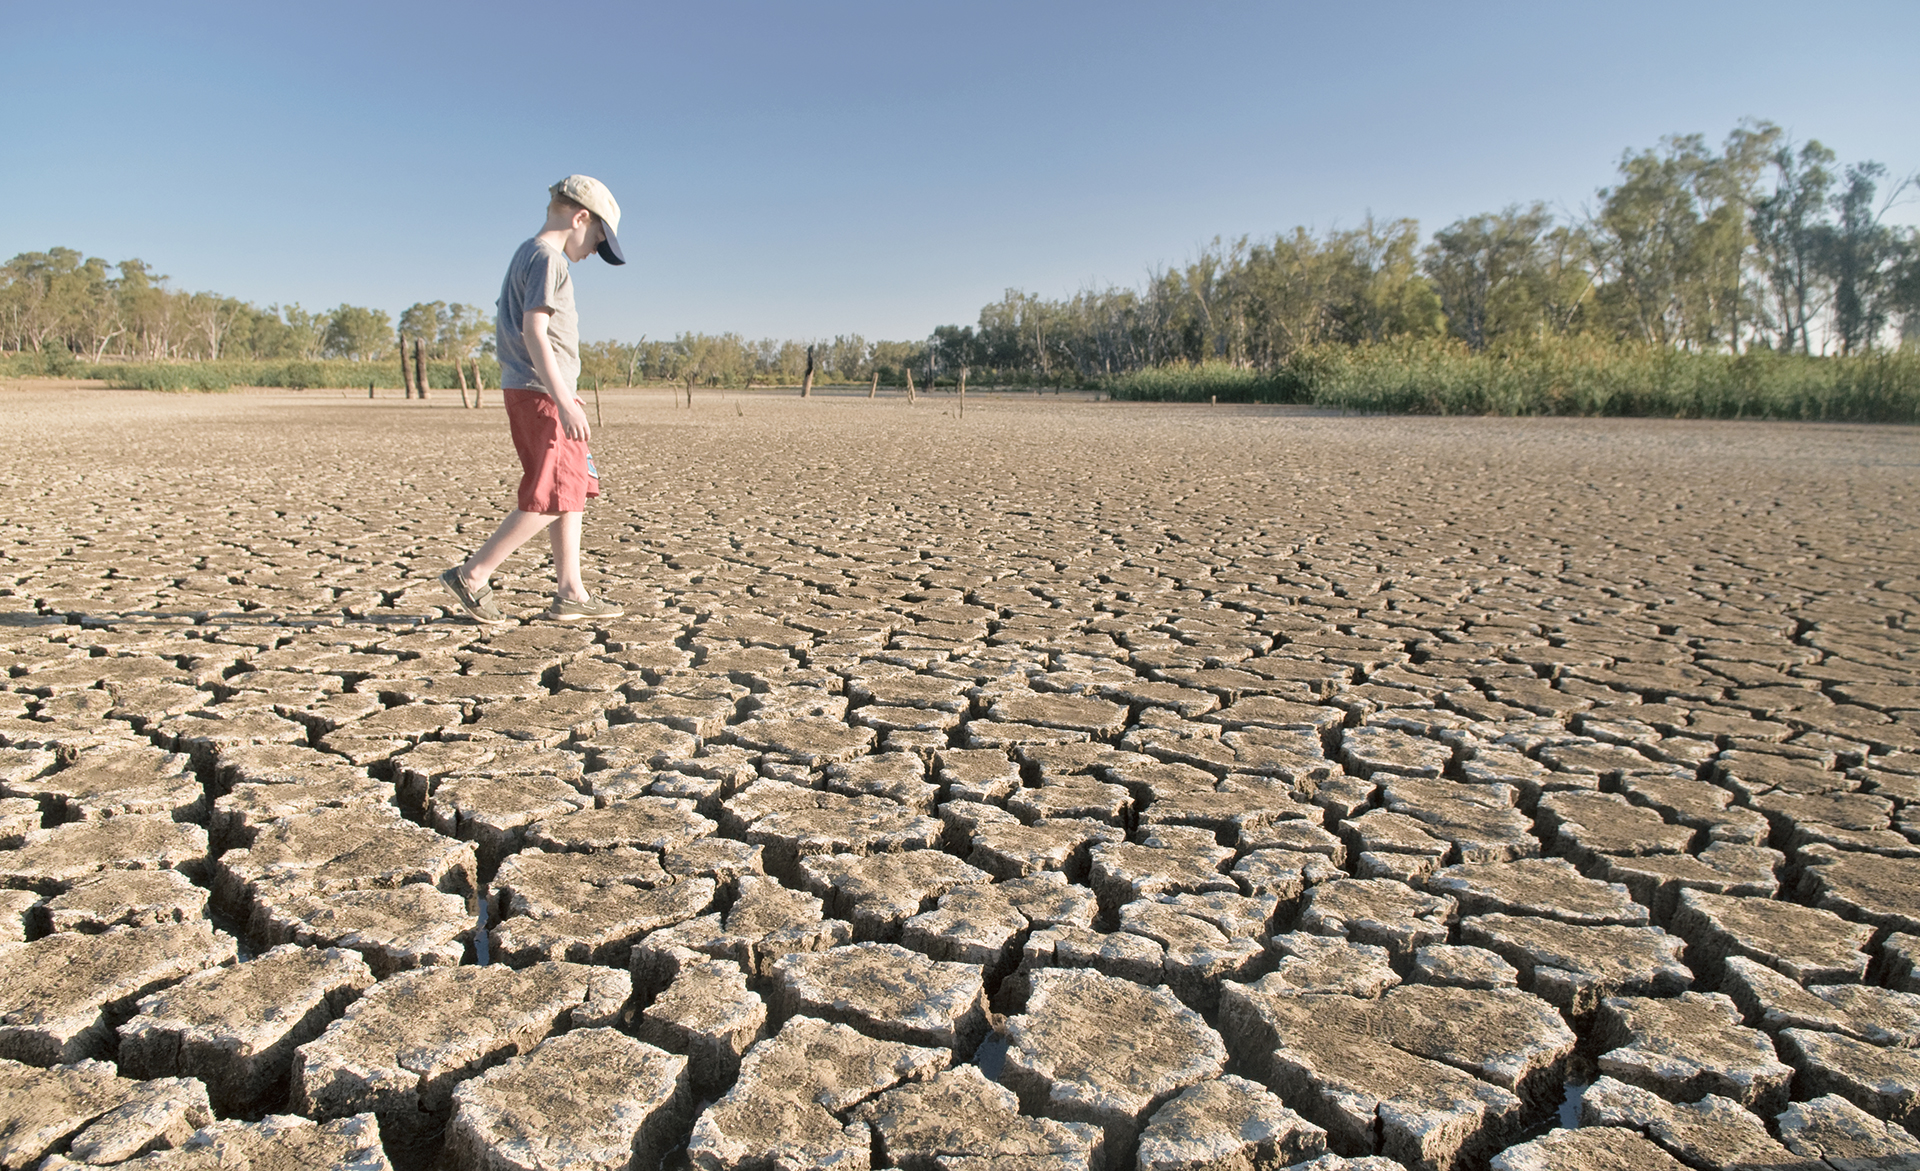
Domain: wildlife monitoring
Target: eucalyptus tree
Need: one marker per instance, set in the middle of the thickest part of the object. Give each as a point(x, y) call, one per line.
point(213, 317)
point(1670, 239)
point(1865, 258)
point(1789, 232)
point(1160, 317)
point(358, 333)
point(421, 320)
point(1207, 286)
point(45, 295)
point(447, 330)
point(847, 357)
point(1108, 335)
point(789, 361)
point(1382, 294)
point(93, 318)
point(695, 359)
point(1286, 289)
point(305, 333)
point(1508, 275)
point(465, 331)
point(1298, 290)
point(602, 362)
point(152, 311)
point(954, 348)
point(894, 359)
point(1015, 331)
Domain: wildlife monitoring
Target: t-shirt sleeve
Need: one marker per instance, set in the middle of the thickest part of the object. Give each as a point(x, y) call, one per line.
point(546, 282)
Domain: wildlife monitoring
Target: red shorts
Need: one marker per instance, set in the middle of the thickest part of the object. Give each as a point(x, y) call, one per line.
point(556, 473)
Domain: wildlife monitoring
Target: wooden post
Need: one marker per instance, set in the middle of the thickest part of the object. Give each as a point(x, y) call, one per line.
point(875, 388)
point(406, 386)
point(596, 400)
point(909, 386)
point(369, 388)
point(806, 384)
point(460, 372)
point(963, 392)
point(419, 371)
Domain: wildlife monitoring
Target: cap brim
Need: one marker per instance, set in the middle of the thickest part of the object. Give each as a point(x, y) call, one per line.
point(610, 246)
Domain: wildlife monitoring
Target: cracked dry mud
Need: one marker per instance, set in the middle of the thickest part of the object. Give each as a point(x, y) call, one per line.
point(1070, 785)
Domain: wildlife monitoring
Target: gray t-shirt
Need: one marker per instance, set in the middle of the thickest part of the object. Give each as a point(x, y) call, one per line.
point(538, 278)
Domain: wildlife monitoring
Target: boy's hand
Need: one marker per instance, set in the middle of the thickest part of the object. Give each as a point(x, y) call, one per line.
point(573, 417)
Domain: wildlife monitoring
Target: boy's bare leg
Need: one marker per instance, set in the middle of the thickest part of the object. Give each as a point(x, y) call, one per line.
point(565, 536)
point(515, 531)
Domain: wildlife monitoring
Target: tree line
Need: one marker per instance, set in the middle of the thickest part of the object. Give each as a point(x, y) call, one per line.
point(728, 359)
point(63, 301)
point(1760, 243)
point(72, 307)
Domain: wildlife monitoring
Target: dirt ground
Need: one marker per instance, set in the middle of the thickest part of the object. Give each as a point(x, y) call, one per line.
point(1300, 717)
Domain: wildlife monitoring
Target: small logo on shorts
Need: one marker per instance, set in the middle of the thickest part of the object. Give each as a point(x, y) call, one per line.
point(591, 470)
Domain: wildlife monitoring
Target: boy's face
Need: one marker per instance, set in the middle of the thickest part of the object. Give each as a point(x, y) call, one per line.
point(584, 235)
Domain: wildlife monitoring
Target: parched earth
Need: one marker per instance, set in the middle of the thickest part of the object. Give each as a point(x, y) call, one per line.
point(1064, 785)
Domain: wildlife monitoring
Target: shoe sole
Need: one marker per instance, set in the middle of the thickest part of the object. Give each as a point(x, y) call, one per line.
point(582, 617)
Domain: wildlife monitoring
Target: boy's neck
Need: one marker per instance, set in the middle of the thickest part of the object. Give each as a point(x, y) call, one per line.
point(555, 236)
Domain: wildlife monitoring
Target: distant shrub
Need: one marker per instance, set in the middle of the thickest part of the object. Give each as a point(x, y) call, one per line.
point(1584, 377)
point(1573, 376)
point(1566, 376)
point(22, 365)
point(1210, 380)
point(166, 376)
point(328, 374)
point(60, 362)
point(52, 362)
point(303, 375)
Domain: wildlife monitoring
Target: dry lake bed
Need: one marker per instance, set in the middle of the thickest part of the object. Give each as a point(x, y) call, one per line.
point(1068, 785)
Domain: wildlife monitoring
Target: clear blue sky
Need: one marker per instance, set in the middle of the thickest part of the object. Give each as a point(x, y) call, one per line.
point(806, 169)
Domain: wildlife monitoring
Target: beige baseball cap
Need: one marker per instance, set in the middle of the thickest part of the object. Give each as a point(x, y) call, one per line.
point(593, 195)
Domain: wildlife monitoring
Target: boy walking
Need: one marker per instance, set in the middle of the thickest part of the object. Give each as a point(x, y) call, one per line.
point(537, 335)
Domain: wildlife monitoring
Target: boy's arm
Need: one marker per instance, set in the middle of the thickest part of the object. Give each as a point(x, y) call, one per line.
point(573, 416)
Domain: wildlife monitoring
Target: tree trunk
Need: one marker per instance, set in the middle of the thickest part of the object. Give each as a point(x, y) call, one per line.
point(806, 384)
point(460, 371)
point(909, 386)
point(875, 388)
point(419, 371)
point(596, 400)
point(406, 384)
point(963, 392)
point(633, 360)
point(477, 384)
